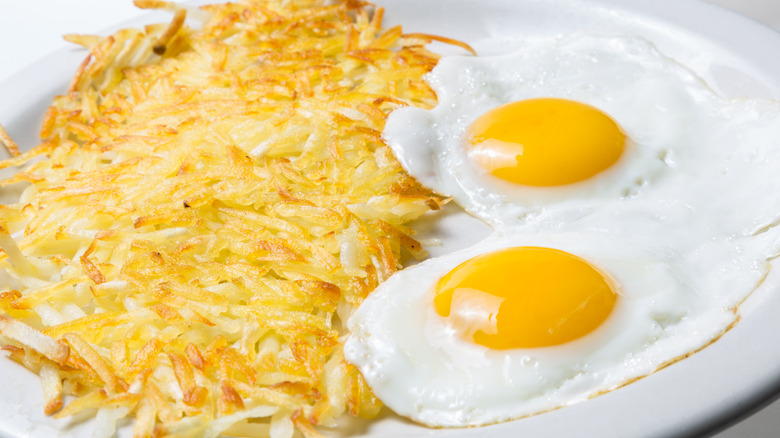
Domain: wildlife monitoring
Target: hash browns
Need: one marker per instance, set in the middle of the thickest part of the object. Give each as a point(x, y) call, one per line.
point(206, 206)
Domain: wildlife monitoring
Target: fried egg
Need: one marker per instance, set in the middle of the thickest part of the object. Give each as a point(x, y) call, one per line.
point(523, 324)
point(575, 119)
point(633, 211)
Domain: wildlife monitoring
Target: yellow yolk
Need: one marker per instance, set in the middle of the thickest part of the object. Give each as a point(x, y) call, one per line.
point(545, 142)
point(524, 297)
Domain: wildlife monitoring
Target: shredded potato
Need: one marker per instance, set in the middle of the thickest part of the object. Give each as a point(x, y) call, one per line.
point(206, 208)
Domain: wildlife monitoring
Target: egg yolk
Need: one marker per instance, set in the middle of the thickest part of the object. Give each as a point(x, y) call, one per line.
point(524, 297)
point(545, 142)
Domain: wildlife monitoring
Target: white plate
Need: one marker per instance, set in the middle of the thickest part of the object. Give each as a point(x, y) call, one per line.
point(692, 397)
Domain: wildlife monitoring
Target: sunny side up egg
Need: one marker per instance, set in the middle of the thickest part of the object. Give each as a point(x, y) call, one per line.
point(633, 211)
point(582, 315)
point(614, 104)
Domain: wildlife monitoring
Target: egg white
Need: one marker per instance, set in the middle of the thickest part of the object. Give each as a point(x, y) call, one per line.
point(654, 100)
point(419, 367)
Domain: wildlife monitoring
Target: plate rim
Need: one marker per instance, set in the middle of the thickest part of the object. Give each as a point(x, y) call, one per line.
point(718, 415)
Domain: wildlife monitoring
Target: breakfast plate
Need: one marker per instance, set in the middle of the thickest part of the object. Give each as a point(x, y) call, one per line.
point(691, 397)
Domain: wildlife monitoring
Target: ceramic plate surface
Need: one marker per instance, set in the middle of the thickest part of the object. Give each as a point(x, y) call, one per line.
point(691, 397)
